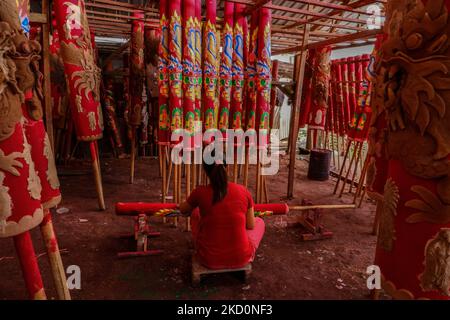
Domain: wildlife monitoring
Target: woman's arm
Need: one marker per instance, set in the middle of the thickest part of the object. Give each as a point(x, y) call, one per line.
point(250, 219)
point(186, 209)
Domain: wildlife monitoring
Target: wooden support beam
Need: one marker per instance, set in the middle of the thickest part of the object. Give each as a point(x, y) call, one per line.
point(38, 17)
point(299, 77)
point(342, 39)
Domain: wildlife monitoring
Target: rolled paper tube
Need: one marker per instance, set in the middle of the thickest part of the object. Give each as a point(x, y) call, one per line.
point(82, 73)
point(110, 107)
point(210, 70)
point(225, 68)
point(137, 69)
point(134, 208)
point(307, 93)
point(320, 89)
point(163, 79)
point(175, 67)
point(189, 65)
point(264, 75)
point(250, 118)
point(237, 68)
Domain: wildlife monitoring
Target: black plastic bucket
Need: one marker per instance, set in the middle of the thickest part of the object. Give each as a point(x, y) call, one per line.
point(319, 164)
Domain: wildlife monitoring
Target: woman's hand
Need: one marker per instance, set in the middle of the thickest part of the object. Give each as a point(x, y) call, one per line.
point(186, 209)
point(250, 222)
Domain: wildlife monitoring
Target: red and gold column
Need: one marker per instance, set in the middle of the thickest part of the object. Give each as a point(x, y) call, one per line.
point(414, 234)
point(226, 67)
point(210, 71)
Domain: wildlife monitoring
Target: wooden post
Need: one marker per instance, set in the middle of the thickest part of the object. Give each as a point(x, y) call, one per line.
point(97, 175)
point(295, 109)
point(47, 80)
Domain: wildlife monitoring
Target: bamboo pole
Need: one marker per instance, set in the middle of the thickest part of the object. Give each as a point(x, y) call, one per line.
point(54, 257)
point(355, 150)
point(356, 166)
point(133, 154)
point(97, 175)
point(295, 109)
point(322, 206)
point(342, 168)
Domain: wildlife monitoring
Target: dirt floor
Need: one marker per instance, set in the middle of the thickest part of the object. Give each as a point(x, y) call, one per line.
point(285, 268)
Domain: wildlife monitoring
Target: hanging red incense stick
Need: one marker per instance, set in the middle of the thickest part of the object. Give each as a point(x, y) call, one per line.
point(198, 60)
point(345, 92)
point(189, 71)
point(163, 80)
point(83, 77)
point(307, 93)
point(210, 71)
point(175, 66)
point(238, 68)
point(225, 67)
point(250, 117)
point(320, 88)
point(273, 92)
point(264, 74)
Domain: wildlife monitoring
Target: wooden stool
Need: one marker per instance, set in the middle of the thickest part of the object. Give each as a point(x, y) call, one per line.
point(198, 270)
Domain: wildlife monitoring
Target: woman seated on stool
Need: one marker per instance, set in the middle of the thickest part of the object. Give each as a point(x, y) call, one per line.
point(225, 231)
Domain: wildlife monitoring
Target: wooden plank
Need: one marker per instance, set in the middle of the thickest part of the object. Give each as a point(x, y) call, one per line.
point(38, 17)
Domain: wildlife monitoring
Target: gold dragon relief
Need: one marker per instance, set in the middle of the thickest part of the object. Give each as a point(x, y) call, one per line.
point(386, 236)
point(436, 275)
point(10, 94)
point(416, 84)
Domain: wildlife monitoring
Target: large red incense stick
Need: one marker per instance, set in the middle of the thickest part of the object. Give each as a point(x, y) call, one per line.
point(238, 68)
point(83, 77)
point(250, 113)
point(210, 71)
point(175, 66)
point(198, 60)
point(225, 67)
point(189, 64)
point(307, 94)
point(163, 80)
point(264, 74)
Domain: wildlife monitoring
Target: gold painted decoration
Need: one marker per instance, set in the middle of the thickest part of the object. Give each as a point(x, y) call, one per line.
point(436, 275)
point(5, 201)
point(34, 183)
point(52, 175)
point(386, 236)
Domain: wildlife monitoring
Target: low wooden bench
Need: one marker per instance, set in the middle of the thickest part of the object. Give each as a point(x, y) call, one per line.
point(199, 270)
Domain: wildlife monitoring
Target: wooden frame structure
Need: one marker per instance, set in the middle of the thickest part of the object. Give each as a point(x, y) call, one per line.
point(297, 25)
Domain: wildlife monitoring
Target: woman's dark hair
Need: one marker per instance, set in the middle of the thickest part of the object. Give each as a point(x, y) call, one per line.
point(218, 177)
